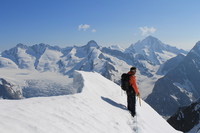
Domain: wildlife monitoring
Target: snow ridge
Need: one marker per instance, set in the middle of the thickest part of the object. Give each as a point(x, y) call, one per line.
point(98, 108)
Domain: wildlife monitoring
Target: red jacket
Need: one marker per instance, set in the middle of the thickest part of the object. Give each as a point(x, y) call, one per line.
point(132, 82)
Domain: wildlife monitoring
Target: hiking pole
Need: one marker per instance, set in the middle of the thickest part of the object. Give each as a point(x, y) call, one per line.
point(139, 100)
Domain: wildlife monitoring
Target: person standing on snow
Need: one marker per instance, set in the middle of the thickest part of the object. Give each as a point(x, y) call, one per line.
point(132, 91)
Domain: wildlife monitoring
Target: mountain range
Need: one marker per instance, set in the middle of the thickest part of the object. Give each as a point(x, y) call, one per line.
point(154, 51)
point(179, 87)
point(110, 62)
point(43, 57)
point(167, 77)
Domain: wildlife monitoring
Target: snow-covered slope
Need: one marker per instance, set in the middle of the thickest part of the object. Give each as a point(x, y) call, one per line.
point(116, 47)
point(98, 108)
point(7, 63)
point(170, 64)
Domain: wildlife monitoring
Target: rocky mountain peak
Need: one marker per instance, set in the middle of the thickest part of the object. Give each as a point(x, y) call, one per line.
point(9, 90)
point(92, 43)
point(20, 45)
point(151, 40)
point(196, 49)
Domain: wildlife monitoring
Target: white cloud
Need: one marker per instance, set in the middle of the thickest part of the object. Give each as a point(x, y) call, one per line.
point(94, 30)
point(83, 27)
point(147, 30)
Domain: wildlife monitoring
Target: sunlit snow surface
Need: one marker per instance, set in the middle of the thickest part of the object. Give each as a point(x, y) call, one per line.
point(98, 108)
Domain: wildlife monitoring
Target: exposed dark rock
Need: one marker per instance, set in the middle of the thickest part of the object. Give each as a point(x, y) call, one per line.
point(186, 117)
point(9, 90)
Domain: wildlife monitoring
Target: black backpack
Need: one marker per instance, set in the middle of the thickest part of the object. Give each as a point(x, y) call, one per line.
point(125, 81)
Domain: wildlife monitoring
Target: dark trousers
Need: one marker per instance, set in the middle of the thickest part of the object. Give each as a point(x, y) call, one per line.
point(131, 101)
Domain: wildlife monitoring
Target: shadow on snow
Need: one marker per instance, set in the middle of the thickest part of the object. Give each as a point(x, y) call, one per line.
point(121, 106)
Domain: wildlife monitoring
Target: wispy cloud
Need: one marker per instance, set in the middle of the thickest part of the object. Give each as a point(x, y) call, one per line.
point(94, 30)
point(147, 30)
point(83, 27)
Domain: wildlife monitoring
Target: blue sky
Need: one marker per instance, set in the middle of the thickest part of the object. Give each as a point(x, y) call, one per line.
point(108, 22)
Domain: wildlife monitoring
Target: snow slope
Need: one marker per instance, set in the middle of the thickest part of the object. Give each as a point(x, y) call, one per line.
point(98, 108)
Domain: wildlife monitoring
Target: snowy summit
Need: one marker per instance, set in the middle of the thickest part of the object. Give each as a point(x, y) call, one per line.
point(154, 50)
point(99, 107)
